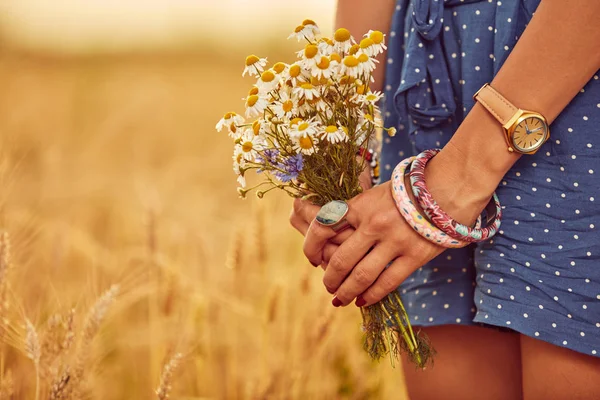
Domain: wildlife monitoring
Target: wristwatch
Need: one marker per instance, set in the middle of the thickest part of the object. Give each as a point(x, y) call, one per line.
point(525, 131)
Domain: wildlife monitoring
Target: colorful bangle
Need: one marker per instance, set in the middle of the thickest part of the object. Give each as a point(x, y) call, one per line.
point(372, 158)
point(438, 216)
point(412, 216)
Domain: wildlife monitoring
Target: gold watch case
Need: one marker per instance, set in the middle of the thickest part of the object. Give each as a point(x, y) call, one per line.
point(526, 132)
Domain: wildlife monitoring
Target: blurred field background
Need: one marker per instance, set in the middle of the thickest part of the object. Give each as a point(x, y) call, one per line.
point(128, 265)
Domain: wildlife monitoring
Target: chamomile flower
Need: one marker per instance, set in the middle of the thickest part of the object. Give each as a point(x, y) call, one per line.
point(295, 74)
point(366, 64)
point(230, 121)
point(371, 98)
point(302, 127)
point(342, 40)
point(334, 134)
point(378, 39)
point(308, 30)
point(285, 107)
point(267, 81)
point(259, 126)
point(254, 65)
point(367, 46)
point(306, 144)
point(350, 66)
point(280, 68)
point(326, 46)
point(309, 56)
point(255, 105)
point(238, 165)
point(249, 145)
point(306, 90)
point(324, 68)
point(366, 120)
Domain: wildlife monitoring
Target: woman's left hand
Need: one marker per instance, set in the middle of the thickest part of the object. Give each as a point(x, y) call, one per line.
point(357, 268)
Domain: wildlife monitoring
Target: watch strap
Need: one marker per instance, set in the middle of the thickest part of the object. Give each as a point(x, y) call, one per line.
point(495, 103)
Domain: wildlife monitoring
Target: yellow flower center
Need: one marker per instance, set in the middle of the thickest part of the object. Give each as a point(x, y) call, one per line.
point(295, 70)
point(360, 89)
point(371, 97)
point(308, 22)
point(239, 158)
point(369, 117)
point(232, 128)
point(247, 147)
point(331, 129)
point(341, 35)
point(279, 67)
point(335, 57)
point(298, 28)
point(303, 126)
point(346, 80)
point(307, 86)
point(287, 106)
point(229, 115)
point(251, 100)
point(354, 49)
point(324, 63)
point(251, 59)
point(267, 76)
point(256, 127)
point(350, 61)
point(376, 36)
point(305, 142)
point(295, 121)
point(310, 51)
point(363, 58)
point(366, 42)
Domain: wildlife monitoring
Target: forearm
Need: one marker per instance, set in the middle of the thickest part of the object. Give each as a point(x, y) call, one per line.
point(358, 16)
point(556, 55)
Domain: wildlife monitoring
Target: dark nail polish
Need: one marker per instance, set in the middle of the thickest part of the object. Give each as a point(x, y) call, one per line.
point(313, 264)
point(360, 301)
point(336, 302)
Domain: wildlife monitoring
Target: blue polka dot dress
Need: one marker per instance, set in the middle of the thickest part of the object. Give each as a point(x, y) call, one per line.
point(540, 275)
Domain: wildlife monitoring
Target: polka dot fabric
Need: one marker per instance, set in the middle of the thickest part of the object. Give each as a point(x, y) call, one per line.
point(540, 275)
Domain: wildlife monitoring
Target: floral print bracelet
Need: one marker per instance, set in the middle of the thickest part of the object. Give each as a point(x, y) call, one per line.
point(414, 218)
point(438, 216)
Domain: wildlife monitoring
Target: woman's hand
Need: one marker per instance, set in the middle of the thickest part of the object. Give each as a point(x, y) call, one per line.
point(303, 213)
point(381, 236)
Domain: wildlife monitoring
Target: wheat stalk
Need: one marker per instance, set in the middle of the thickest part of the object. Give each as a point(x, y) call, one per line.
point(164, 387)
point(90, 328)
point(33, 350)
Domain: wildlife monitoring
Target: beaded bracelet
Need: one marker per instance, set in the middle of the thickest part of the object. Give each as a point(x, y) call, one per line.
point(438, 216)
point(412, 216)
point(372, 158)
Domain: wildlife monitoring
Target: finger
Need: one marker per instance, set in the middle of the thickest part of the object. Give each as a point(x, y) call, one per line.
point(365, 273)
point(315, 240)
point(328, 251)
point(388, 281)
point(305, 210)
point(345, 259)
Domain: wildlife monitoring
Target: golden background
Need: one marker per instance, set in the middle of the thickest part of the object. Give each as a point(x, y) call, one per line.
point(111, 173)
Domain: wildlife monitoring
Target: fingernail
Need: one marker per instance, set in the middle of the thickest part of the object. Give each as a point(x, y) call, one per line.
point(336, 302)
point(360, 301)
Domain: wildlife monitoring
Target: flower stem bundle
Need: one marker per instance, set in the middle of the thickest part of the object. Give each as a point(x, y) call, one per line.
point(308, 121)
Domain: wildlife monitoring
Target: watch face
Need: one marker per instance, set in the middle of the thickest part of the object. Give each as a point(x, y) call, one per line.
point(529, 134)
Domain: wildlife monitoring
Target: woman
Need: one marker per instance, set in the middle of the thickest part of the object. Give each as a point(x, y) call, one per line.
point(517, 316)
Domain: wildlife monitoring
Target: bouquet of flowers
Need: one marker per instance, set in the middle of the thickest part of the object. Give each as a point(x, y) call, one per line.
point(309, 121)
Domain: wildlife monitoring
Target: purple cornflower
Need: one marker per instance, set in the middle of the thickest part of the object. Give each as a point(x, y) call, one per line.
point(267, 158)
point(292, 167)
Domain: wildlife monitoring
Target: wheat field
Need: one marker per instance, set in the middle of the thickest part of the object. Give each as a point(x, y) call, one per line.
point(130, 269)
